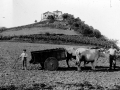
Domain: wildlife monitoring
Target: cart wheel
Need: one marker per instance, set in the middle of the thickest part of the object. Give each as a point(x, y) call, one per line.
point(51, 64)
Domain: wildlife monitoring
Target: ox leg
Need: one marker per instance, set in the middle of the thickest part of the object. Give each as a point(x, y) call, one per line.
point(93, 66)
point(114, 64)
point(67, 61)
point(68, 57)
point(78, 66)
point(85, 63)
point(78, 62)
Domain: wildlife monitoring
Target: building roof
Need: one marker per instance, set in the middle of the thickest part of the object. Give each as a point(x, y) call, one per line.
point(57, 11)
point(47, 12)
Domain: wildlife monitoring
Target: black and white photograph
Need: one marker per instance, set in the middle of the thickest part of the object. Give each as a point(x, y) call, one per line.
point(59, 44)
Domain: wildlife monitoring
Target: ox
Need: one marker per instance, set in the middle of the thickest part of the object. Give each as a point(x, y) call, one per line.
point(85, 55)
point(73, 53)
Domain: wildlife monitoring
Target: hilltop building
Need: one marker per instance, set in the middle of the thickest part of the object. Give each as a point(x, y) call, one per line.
point(57, 14)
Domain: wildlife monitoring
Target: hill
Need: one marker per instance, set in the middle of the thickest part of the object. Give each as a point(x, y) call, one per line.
point(40, 28)
point(69, 30)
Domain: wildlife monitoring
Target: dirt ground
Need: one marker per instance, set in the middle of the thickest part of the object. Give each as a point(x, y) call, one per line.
point(64, 78)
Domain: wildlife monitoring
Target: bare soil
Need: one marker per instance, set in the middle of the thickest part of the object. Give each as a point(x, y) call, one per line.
point(64, 78)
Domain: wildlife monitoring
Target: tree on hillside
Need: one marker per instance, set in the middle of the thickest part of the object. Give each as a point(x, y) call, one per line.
point(51, 18)
point(87, 31)
point(91, 28)
point(103, 38)
point(97, 33)
point(82, 25)
point(35, 21)
point(77, 19)
point(77, 25)
point(67, 16)
point(77, 22)
point(3, 28)
point(114, 41)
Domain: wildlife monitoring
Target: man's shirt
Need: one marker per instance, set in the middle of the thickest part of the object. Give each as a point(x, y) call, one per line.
point(112, 51)
point(23, 55)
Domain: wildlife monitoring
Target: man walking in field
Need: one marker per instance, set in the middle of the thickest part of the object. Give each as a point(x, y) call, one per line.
point(112, 51)
point(23, 57)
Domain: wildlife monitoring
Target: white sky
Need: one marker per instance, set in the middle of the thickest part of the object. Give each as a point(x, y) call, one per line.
point(103, 15)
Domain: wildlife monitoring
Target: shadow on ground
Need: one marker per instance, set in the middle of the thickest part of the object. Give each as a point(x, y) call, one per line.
point(88, 68)
point(86, 85)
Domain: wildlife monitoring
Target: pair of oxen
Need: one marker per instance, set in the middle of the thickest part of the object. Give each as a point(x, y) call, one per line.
point(86, 55)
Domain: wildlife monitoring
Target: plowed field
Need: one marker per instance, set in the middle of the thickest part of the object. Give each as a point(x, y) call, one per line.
point(62, 79)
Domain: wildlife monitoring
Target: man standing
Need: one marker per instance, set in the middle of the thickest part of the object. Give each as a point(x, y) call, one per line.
point(23, 57)
point(112, 52)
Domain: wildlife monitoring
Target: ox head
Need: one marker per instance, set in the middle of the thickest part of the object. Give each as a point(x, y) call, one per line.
point(70, 50)
point(102, 52)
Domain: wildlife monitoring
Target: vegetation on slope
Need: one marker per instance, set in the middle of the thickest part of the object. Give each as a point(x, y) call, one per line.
point(88, 35)
point(76, 24)
point(60, 39)
point(68, 22)
point(38, 30)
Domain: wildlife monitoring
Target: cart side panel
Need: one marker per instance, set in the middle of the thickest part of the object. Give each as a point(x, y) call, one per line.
point(61, 55)
point(41, 56)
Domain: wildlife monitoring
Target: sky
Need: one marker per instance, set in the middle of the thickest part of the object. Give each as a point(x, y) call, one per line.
point(103, 15)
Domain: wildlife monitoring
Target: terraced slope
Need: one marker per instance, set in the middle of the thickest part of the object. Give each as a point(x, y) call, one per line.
point(37, 30)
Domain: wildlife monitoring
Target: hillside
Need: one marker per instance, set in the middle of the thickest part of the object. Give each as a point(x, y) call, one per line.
point(68, 31)
point(37, 30)
point(40, 28)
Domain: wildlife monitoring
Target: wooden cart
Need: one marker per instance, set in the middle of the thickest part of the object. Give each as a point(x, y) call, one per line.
point(48, 58)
